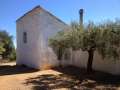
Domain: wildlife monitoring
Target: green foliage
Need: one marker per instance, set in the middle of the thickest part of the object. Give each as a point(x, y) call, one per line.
point(12, 56)
point(58, 43)
point(65, 39)
point(109, 43)
point(6, 45)
point(1, 48)
point(89, 38)
point(104, 38)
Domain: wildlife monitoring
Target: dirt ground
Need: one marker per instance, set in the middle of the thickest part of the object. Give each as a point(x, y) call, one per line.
point(14, 77)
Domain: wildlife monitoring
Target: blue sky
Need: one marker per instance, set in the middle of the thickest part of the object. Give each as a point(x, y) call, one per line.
point(66, 10)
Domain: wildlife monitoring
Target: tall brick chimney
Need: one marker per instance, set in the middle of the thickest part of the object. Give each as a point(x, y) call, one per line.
point(81, 17)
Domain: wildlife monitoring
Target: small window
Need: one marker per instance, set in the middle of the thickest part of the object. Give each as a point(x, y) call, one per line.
point(24, 37)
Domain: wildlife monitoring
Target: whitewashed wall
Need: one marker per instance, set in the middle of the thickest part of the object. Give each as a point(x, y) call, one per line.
point(106, 65)
point(28, 53)
point(80, 58)
point(39, 26)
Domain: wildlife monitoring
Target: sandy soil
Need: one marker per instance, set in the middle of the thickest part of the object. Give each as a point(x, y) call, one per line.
point(14, 77)
point(13, 81)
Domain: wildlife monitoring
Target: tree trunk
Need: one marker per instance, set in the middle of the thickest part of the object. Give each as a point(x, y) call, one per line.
point(90, 61)
point(60, 53)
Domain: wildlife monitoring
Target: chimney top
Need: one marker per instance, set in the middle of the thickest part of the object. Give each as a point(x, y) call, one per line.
point(81, 11)
point(81, 18)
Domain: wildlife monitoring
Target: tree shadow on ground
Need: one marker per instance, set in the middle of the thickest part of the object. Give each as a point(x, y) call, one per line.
point(93, 80)
point(50, 82)
point(11, 70)
point(74, 78)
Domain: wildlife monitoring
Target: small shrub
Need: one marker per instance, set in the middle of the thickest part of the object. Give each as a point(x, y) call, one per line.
point(12, 57)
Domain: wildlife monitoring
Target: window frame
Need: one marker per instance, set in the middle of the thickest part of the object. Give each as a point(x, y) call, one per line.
point(24, 37)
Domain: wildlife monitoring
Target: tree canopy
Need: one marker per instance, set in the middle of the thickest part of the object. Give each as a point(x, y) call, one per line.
point(104, 38)
point(6, 44)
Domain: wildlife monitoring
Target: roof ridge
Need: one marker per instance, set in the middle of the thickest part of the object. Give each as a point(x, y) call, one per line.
point(39, 7)
point(54, 16)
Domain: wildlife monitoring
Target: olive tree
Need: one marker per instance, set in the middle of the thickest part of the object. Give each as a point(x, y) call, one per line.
point(104, 38)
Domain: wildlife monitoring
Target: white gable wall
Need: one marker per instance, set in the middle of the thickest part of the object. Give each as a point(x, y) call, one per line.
point(26, 52)
point(50, 27)
point(39, 27)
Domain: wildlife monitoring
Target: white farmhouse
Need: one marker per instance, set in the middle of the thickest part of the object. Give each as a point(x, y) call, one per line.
point(33, 31)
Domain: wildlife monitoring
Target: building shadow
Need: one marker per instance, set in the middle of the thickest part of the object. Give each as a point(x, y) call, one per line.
point(11, 70)
point(74, 78)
